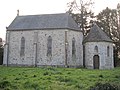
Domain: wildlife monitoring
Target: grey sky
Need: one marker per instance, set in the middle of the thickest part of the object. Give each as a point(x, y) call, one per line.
point(9, 9)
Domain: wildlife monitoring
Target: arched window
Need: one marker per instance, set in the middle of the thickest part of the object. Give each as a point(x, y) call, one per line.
point(22, 48)
point(73, 47)
point(108, 50)
point(49, 46)
point(96, 49)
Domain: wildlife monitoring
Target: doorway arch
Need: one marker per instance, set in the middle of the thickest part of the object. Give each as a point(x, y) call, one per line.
point(96, 62)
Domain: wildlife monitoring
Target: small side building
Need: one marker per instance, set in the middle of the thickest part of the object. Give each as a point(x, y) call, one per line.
point(98, 49)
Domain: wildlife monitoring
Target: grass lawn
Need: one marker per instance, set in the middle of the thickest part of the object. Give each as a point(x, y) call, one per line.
point(49, 78)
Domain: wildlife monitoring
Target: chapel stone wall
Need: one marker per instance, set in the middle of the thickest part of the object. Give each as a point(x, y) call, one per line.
point(14, 45)
point(76, 60)
point(106, 62)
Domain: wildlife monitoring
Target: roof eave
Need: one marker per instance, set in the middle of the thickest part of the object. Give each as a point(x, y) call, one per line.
point(98, 41)
point(43, 29)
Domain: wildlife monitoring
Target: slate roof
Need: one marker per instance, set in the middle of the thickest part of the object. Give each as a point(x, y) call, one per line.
point(96, 35)
point(45, 21)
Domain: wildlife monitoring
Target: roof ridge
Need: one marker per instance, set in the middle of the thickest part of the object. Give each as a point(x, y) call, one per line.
point(44, 21)
point(42, 14)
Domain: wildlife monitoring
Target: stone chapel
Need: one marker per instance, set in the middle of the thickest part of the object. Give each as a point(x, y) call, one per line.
point(55, 40)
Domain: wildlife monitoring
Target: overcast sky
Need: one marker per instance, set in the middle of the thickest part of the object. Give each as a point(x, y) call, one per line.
point(8, 9)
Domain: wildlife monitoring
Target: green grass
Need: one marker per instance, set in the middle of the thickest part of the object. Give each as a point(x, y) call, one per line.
point(49, 78)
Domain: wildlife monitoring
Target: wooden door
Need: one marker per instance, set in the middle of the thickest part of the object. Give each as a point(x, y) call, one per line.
point(96, 62)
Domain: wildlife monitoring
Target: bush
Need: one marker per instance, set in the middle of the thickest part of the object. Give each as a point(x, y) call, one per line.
point(106, 86)
point(5, 84)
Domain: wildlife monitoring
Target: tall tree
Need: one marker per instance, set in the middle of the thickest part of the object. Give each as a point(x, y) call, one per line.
point(118, 15)
point(82, 14)
point(108, 21)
